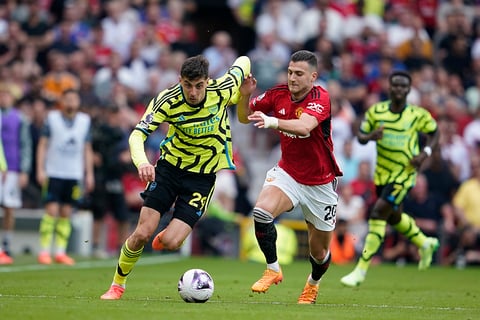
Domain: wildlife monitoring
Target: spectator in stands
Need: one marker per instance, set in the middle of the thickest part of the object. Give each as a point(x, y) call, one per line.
point(58, 78)
point(433, 214)
point(277, 21)
point(343, 244)
point(471, 134)
point(363, 185)
point(269, 58)
point(319, 20)
point(440, 177)
point(467, 199)
point(347, 161)
point(352, 209)
point(119, 27)
point(17, 146)
point(467, 250)
point(453, 147)
point(220, 53)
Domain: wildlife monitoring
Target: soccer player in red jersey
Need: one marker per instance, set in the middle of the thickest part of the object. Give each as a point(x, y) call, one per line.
point(306, 174)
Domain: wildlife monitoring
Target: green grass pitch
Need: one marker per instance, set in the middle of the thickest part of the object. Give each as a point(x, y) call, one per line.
point(31, 291)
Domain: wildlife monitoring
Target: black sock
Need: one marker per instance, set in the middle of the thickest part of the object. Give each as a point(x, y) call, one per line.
point(318, 270)
point(266, 235)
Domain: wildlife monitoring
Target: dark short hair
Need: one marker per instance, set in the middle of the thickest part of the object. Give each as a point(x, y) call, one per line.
point(400, 73)
point(307, 56)
point(194, 68)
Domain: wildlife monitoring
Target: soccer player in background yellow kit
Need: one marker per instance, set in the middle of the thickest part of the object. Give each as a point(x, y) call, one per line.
point(395, 126)
point(197, 145)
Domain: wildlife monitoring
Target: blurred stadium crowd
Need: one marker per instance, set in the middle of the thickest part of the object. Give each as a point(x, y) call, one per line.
point(121, 53)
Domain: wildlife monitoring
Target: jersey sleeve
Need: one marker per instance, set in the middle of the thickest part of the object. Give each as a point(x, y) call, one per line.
point(263, 102)
point(319, 107)
point(151, 119)
point(366, 126)
point(426, 123)
point(239, 70)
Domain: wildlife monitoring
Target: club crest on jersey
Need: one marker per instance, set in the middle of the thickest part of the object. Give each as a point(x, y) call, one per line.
point(298, 112)
point(213, 109)
point(317, 107)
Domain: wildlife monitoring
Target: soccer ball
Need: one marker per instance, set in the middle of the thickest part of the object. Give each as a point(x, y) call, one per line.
point(195, 285)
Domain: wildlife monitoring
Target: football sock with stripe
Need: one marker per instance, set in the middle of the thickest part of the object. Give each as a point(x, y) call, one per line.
point(409, 229)
point(63, 230)
point(47, 228)
point(373, 241)
point(266, 234)
point(126, 262)
point(319, 268)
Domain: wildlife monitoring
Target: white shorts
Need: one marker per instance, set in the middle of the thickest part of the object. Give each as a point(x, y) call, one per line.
point(318, 203)
point(10, 191)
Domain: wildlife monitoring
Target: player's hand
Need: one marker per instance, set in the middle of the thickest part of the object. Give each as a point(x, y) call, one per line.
point(146, 172)
point(418, 160)
point(249, 85)
point(263, 121)
point(41, 177)
point(376, 134)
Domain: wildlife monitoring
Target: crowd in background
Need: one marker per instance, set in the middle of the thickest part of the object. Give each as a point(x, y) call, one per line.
point(121, 53)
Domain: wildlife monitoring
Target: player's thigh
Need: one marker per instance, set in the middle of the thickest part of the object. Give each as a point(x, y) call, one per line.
point(319, 205)
point(274, 200)
point(194, 196)
point(280, 192)
point(162, 193)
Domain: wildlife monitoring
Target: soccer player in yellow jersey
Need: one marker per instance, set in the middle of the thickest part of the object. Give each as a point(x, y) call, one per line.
point(395, 126)
point(197, 145)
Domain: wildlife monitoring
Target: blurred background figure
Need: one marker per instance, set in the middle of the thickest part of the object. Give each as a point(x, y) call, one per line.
point(64, 166)
point(220, 53)
point(17, 146)
point(343, 244)
point(111, 159)
point(352, 210)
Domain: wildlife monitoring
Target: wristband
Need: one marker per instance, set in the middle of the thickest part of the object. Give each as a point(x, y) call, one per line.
point(269, 122)
point(428, 150)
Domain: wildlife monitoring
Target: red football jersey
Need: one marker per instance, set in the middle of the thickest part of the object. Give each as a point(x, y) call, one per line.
point(310, 159)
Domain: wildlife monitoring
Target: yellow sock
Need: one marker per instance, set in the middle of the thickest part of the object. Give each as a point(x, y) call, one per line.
point(409, 229)
point(126, 262)
point(62, 234)
point(47, 227)
point(373, 241)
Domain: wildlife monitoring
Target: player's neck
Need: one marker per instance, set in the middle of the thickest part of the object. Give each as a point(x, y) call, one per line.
point(397, 106)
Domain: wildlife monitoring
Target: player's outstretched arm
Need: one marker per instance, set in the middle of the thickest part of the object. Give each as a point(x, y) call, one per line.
point(246, 89)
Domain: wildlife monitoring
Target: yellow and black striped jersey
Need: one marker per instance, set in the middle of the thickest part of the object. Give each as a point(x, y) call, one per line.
point(400, 141)
point(198, 138)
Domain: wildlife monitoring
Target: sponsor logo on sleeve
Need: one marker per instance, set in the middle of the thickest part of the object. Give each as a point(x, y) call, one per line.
point(318, 108)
